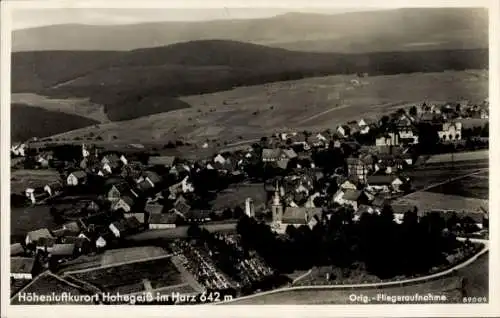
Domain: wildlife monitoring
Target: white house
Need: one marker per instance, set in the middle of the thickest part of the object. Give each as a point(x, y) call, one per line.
point(348, 185)
point(100, 242)
point(220, 159)
point(123, 160)
point(76, 178)
point(159, 221)
point(30, 194)
point(22, 267)
point(451, 131)
point(19, 149)
point(388, 139)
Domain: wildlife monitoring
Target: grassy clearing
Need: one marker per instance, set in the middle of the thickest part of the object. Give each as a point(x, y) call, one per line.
point(426, 201)
point(253, 111)
point(132, 254)
point(472, 187)
point(22, 179)
point(459, 156)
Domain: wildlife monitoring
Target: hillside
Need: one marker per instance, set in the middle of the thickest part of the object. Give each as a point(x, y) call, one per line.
point(27, 122)
point(250, 112)
point(354, 32)
point(156, 77)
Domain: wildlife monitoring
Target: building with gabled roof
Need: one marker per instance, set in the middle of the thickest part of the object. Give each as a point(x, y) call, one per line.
point(22, 267)
point(164, 161)
point(76, 178)
point(162, 221)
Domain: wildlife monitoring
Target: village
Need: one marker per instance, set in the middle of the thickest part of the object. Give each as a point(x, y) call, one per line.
point(104, 197)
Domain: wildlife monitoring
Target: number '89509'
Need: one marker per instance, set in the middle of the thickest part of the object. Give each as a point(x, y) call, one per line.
point(475, 300)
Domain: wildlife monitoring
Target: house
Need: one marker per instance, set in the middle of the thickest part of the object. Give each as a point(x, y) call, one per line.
point(16, 249)
point(125, 226)
point(120, 189)
point(343, 131)
point(68, 229)
point(379, 183)
point(388, 139)
point(451, 131)
point(318, 140)
point(198, 216)
point(364, 126)
point(34, 194)
point(19, 149)
point(272, 155)
point(53, 188)
point(348, 185)
point(39, 237)
point(110, 167)
point(350, 197)
point(63, 250)
point(298, 216)
point(289, 154)
point(22, 267)
point(44, 159)
point(162, 221)
point(407, 135)
point(283, 163)
point(220, 159)
point(110, 158)
point(140, 216)
point(148, 180)
point(76, 178)
point(357, 168)
point(154, 208)
point(125, 203)
point(164, 161)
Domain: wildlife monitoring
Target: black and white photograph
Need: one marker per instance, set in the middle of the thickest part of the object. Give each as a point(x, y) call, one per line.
point(191, 156)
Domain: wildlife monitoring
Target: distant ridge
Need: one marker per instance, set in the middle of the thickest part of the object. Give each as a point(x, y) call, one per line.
point(384, 30)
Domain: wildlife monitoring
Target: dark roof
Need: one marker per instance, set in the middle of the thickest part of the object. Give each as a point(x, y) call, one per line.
point(63, 249)
point(167, 161)
point(154, 208)
point(40, 233)
point(380, 179)
point(182, 207)
point(79, 174)
point(197, 214)
point(111, 158)
point(16, 249)
point(300, 215)
point(127, 199)
point(163, 218)
point(23, 265)
point(153, 176)
point(283, 163)
point(271, 153)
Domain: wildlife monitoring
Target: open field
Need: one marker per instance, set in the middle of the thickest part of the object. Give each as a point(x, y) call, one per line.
point(237, 194)
point(46, 284)
point(180, 232)
point(25, 219)
point(22, 179)
point(129, 278)
point(459, 157)
point(254, 111)
point(475, 186)
point(426, 201)
point(73, 106)
point(131, 254)
point(474, 276)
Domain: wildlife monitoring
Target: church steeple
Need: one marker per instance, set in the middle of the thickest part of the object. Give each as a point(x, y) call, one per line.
point(277, 207)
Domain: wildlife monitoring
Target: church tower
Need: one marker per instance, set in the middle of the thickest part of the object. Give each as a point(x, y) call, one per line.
point(277, 207)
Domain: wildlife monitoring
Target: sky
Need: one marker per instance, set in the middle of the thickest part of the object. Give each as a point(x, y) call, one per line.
point(28, 18)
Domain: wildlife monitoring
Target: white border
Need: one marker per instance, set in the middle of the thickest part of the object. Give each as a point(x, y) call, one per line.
point(492, 309)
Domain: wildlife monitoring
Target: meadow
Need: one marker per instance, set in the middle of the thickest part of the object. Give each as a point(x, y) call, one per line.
point(314, 103)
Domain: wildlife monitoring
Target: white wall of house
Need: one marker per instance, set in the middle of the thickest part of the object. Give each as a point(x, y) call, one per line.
point(72, 180)
point(161, 226)
point(27, 276)
point(113, 229)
